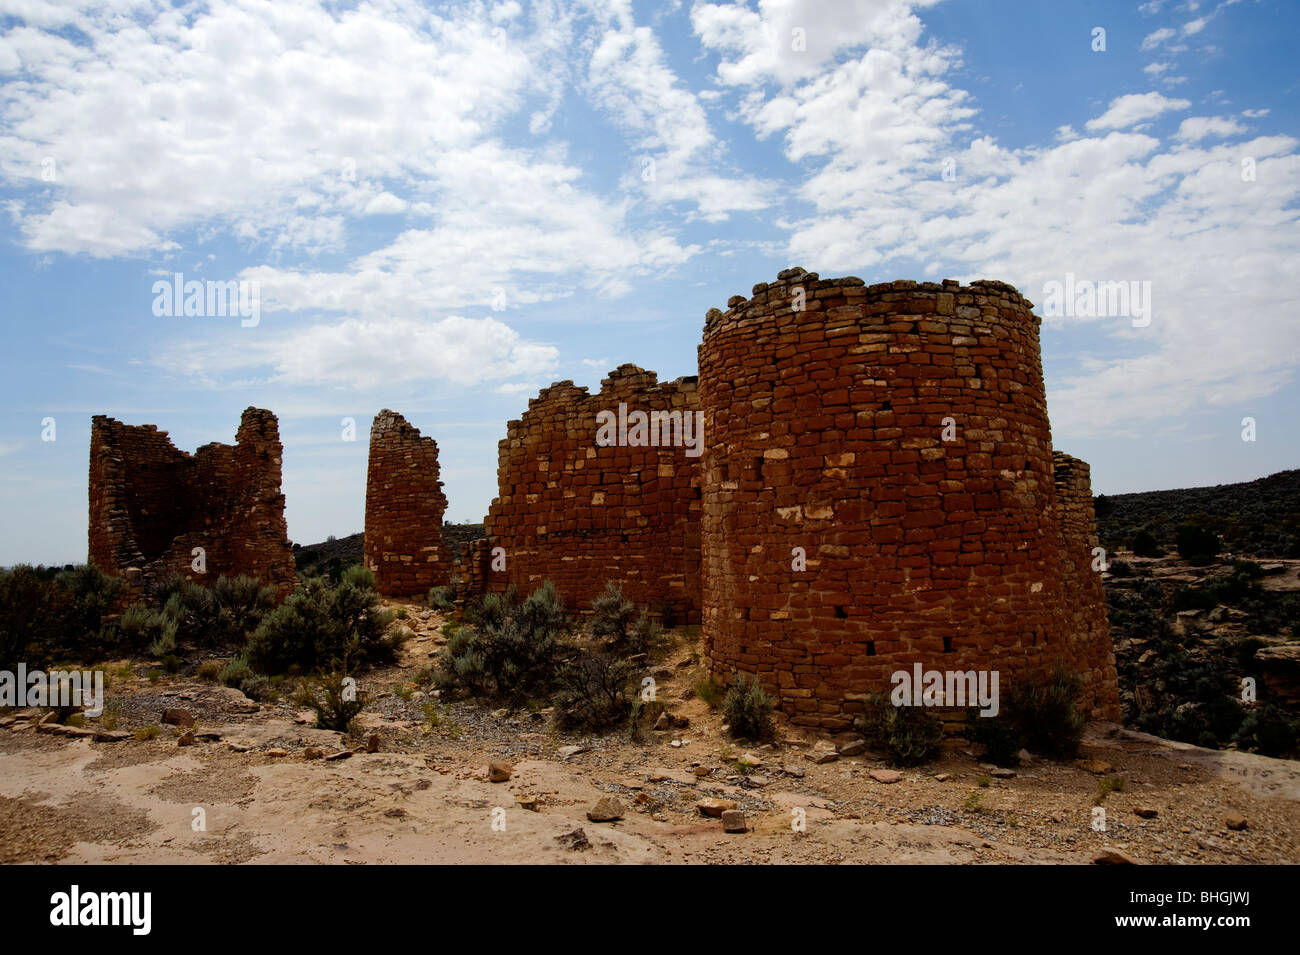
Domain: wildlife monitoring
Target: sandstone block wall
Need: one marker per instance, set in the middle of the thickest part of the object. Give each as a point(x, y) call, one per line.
point(404, 508)
point(1088, 649)
point(580, 515)
point(825, 436)
point(152, 504)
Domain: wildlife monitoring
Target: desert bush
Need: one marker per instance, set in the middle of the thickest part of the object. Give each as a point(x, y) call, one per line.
point(209, 670)
point(143, 628)
point(333, 699)
point(319, 623)
point(911, 734)
point(443, 598)
point(1195, 542)
point(1121, 568)
point(511, 650)
point(1145, 545)
point(748, 709)
point(612, 615)
point(1268, 730)
point(997, 734)
point(1248, 569)
point(709, 691)
point(1045, 712)
point(48, 614)
point(616, 621)
point(596, 691)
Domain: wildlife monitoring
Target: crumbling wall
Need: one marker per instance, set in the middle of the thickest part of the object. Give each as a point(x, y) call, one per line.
point(1089, 650)
point(404, 507)
point(878, 490)
point(580, 514)
point(151, 505)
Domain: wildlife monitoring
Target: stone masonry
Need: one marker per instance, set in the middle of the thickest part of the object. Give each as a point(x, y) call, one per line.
point(1088, 650)
point(580, 514)
point(404, 508)
point(152, 505)
point(879, 491)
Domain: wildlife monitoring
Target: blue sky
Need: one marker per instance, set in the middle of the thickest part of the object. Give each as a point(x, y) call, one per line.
point(447, 207)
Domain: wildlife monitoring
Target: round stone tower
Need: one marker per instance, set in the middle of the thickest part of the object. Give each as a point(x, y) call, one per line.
point(877, 490)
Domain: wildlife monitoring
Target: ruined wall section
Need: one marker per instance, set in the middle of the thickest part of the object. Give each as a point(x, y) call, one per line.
point(404, 509)
point(1089, 649)
point(152, 504)
point(579, 514)
point(825, 407)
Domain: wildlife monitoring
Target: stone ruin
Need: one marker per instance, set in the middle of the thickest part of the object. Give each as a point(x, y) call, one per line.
point(580, 514)
point(875, 489)
point(404, 507)
point(153, 507)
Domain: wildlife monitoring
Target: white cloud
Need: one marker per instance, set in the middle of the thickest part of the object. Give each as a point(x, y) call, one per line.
point(1157, 37)
point(1124, 111)
point(764, 44)
point(273, 119)
point(1199, 127)
point(629, 78)
point(365, 353)
point(1116, 204)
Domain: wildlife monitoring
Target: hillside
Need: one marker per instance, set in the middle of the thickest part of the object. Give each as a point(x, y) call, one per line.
point(335, 554)
point(1259, 518)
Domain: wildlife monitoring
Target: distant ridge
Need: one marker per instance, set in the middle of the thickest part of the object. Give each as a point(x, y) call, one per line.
point(1259, 518)
point(347, 550)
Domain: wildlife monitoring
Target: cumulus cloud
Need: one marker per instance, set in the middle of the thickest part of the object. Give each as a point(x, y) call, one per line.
point(876, 131)
point(1199, 127)
point(1125, 111)
point(364, 353)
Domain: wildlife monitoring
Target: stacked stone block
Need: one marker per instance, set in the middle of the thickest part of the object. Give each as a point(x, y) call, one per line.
point(580, 514)
point(1088, 649)
point(878, 490)
point(151, 505)
point(404, 508)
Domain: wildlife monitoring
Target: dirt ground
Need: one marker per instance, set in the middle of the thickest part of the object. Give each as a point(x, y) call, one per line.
point(244, 790)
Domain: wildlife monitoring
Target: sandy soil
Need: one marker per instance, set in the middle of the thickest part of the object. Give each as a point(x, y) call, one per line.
point(424, 795)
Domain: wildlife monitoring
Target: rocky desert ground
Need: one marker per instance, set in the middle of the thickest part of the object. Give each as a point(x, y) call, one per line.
point(413, 785)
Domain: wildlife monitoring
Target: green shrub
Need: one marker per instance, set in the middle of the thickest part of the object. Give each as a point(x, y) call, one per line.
point(443, 598)
point(511, 650)
point(1121, 568)
point(1248, 569)
point(235, 672)
point(1267, 730)
point(333, 700)
point(319, 623)
point(1145, 545)
point(1045, 712)
point(1196, 542)
point(47, 615)
point(612, 615)
point(911, 734)
point(748, 709)
point(616, 621)
point(209, 670)
point(709, 691)
point(997, 734)
point(596, 691)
